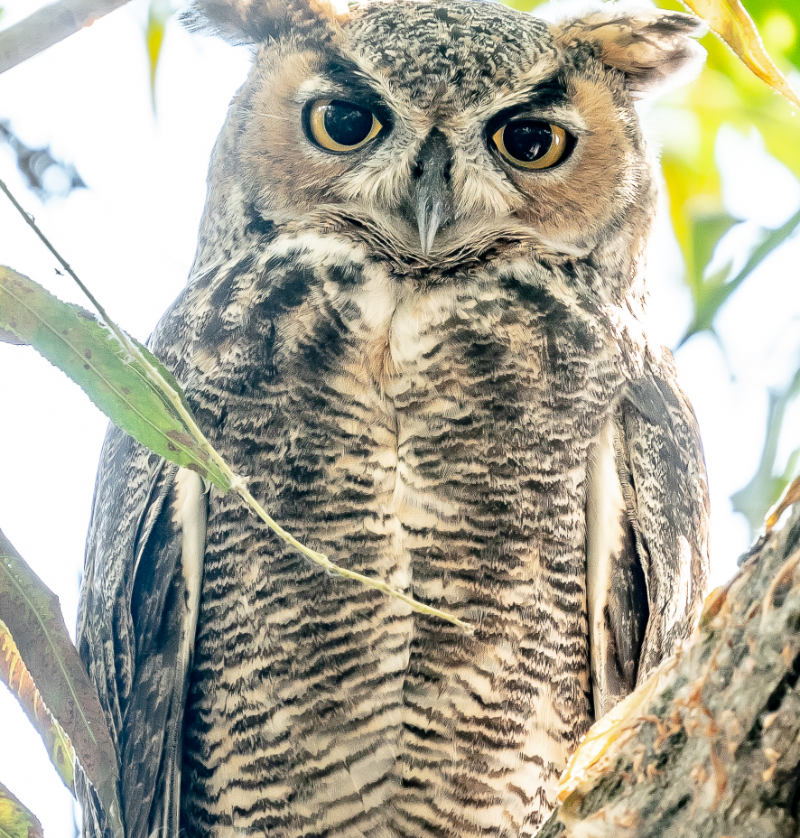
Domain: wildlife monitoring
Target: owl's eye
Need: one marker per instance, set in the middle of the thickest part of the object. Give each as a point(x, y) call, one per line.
point(531, 144)
point(341, 126)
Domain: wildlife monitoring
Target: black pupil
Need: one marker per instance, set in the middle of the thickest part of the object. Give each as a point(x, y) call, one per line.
point(527, 140)
point(347, 124)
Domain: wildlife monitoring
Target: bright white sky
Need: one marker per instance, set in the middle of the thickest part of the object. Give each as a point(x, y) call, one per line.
point(131, 238)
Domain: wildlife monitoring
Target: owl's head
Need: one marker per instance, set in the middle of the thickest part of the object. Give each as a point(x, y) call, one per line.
point(440, 132)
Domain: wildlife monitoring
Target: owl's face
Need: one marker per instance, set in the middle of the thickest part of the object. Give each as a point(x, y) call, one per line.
point(447, 131)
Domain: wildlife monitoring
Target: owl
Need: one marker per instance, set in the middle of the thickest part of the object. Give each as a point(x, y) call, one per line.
point(415, 325)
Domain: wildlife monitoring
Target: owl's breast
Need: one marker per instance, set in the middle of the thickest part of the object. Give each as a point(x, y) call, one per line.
point(496, 405)
point(436, 438)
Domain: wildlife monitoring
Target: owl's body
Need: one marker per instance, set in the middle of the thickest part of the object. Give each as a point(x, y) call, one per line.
point(472, 415)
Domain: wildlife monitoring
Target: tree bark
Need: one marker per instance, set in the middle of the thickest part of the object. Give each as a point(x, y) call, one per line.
point(710, 747)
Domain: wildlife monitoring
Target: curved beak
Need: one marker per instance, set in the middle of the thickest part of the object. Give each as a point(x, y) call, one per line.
point(431, 197)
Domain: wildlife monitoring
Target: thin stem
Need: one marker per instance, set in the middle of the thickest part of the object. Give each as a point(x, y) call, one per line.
point(322, 560)
point(235, 481)
point(34, 226)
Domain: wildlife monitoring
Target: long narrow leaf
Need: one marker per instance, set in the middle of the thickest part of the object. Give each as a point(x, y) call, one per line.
point(33, 616)
point(90, 354)
point(18, 679)
point(16, 821)
point(730, 20)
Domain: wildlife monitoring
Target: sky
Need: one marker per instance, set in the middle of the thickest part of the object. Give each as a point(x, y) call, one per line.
point(131, 237)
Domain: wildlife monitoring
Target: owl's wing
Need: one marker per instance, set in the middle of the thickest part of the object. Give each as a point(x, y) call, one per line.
point(136, 628)
point(647, 533)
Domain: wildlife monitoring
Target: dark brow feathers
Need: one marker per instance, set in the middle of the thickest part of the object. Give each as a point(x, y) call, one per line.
point(354, 87)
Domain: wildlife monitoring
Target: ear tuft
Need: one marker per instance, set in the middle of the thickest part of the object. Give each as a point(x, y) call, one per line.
point(653, 49)
point(255, 21)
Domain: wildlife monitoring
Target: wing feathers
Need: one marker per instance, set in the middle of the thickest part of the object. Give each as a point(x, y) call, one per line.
point(192, 511)
point(140, 599)
point(663, 448)
point(165, 602)
point(647, 523)
point(616, 586)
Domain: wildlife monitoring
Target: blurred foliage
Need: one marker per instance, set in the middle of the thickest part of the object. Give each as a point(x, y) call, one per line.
point(158, 14)
point(727, 93)
point(45, 175)
point(766, 487)
point(712, 292)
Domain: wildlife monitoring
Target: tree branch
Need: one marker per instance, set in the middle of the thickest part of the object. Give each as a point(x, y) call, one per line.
point(712, 748)
point(48, 26)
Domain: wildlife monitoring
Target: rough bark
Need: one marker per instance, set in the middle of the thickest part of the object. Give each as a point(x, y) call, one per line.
point(711, 747)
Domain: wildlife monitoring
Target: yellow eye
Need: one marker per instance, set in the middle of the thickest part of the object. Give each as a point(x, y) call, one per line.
point(341, 126)
point(531, 144)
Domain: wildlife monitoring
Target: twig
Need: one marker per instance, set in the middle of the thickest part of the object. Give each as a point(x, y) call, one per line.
point(236, 482)
point(48, 26)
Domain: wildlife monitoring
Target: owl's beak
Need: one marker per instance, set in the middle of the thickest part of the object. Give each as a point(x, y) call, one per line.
point(430, 213)
point(431, 192)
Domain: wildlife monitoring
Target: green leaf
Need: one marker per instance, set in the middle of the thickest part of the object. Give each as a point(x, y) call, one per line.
point(33, 616)
point(120, 385)
point(17, 678)
point(714, 292)
point(706, 231)
point(16, 821)
point(764, 489)
point(139, 395)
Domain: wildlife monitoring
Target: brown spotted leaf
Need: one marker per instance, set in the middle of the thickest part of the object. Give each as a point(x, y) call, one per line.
point(32, 615)
point(16, 821)
point(17, 678)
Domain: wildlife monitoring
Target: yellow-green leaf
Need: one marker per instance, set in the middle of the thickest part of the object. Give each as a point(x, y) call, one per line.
point(18, 679)
point(730, 20)
point(16, 821)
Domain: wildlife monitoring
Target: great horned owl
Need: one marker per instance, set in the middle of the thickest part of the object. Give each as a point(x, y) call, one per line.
point(414, 321)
